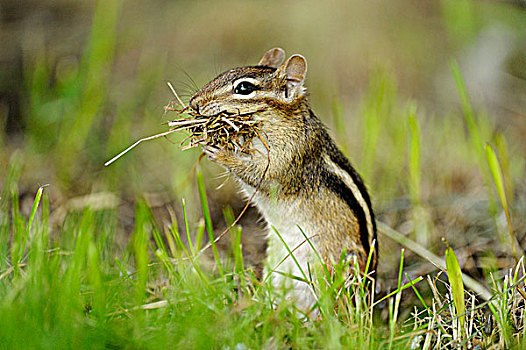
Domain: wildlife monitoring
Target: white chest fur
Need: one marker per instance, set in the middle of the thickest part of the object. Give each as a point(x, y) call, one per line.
point(287, 218)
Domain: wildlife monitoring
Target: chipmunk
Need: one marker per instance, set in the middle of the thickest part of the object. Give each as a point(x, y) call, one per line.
point(301, 180)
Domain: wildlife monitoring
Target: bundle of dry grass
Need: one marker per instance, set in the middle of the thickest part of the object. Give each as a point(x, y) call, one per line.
point(231, 131)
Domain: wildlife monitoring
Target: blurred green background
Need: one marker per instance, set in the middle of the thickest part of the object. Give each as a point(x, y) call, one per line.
point(80, 81)
point(418, 94)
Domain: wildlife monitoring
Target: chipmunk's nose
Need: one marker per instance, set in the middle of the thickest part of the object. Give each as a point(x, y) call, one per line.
point(194, 104)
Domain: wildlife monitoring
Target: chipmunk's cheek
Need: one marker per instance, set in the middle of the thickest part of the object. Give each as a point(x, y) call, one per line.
point(260, 146)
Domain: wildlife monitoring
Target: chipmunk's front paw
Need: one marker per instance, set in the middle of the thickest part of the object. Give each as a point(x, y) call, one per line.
point(211, 151)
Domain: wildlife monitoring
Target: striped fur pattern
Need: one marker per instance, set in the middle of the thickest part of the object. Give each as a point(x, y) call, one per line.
point(309, 186)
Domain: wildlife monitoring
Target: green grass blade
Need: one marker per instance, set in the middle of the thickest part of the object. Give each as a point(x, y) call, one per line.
point(400, 268)
point(95, 279)
point(469, 115)
point(318, 257)
point(238, 251)
point(498, 180)
point(123, 271)
point(457, 285)
point(496, 173)
point(501, 149)
point(179, 242)
point(208, 219)
point(415, 140)
point(236, 233)
point(409, 284)
point(187, 229)
point(34, 208)
point(290, 255)
point(475, 133)
point(417, 293)
point(170, 240)
point(394, 308)
point(194, 259)
point(140, 240)
point(40, 243)
point(159, 241)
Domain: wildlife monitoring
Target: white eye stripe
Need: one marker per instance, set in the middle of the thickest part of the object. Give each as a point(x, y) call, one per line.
point(244, 97)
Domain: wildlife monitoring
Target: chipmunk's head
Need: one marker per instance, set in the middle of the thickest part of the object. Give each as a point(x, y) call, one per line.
point(252, 89)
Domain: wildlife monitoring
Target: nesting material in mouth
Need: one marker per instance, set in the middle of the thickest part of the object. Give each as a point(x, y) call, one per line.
point(230, 131)
point(233, 132)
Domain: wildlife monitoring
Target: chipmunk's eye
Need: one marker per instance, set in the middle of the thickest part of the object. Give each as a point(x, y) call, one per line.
point(245, 88)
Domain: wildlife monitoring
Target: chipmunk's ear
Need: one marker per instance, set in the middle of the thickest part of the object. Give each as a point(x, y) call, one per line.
point(272, 58)
point(293, 72)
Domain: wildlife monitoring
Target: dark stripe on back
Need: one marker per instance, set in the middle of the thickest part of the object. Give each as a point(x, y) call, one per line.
point(336, 185)
point(339, 159)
